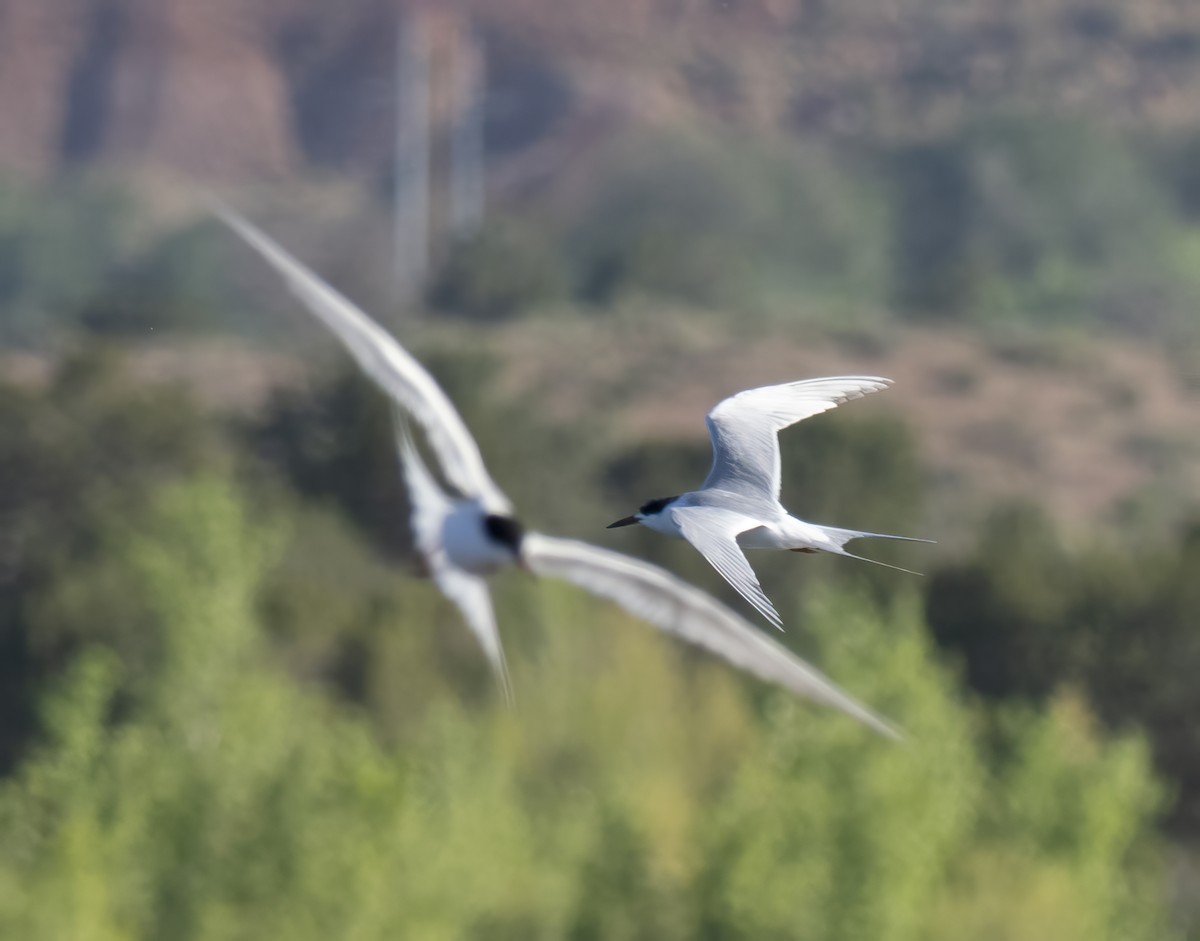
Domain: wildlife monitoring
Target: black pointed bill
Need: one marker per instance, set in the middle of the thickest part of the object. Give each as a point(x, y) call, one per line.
point(627, 521)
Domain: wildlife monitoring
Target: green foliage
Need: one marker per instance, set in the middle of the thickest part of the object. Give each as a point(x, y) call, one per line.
point(74, 255)
point(862, 836)
point(1006, 612)
point(176, 284)
point(933, 266)
point(218, 799)
point(58, 245)
point(716, 222)
point(505, 270)
point(1027, 614)
point(1000, 218)
point(75, 456)
point(1037, 220)
point(1057, 858)
point(336, 442)
point(636, 791)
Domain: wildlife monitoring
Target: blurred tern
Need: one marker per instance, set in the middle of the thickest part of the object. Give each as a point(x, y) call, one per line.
point(737, 507)
point(466, 538)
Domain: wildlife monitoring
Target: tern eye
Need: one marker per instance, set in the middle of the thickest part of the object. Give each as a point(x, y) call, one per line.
point(655, 506)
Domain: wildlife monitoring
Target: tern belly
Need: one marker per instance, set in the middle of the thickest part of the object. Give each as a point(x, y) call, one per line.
point(787, 533)
point(466, 543)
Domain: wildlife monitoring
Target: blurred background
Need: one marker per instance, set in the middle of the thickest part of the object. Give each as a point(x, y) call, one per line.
point(230, 709)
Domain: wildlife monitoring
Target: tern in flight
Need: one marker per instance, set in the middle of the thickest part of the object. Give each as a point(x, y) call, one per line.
point(737, 507)
point(467, 537)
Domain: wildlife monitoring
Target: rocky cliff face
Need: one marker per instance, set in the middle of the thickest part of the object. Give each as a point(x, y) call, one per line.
point(39, 44)
point(224, 89)
point(192, 86)
point(246, 89)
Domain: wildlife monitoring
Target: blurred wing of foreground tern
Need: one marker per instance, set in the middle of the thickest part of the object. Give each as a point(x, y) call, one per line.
point(737, 507)
point(471, 536)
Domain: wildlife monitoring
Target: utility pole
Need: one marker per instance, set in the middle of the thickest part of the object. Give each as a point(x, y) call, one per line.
point(466, 134)
point(412, 175)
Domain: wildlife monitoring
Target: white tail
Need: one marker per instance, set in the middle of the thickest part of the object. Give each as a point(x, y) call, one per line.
point(842, 536)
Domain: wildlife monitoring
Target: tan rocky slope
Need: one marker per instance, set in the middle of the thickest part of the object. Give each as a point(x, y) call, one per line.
point(251, 89)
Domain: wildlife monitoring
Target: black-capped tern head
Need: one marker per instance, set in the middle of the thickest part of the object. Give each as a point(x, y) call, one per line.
point(647, 510)
point(466, 537)
point(508, 535)
point(737, 507)
point(504, 531)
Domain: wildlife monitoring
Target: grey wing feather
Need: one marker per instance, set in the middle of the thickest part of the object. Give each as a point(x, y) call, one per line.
point(383, 359)
point(473, 599)
point(648, 592)
point(468, 592)
point(744, 428)
point(714, 533)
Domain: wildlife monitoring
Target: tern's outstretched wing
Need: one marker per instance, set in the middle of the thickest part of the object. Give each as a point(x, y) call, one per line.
point(714, 531)
point(743, 428)
point(430, 507)
point(677, 608)
point(386, 362)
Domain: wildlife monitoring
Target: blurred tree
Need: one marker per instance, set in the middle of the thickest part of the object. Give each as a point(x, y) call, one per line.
point(1020, 218)
point(1144, 612)
point(177, 284)
point(1056, 856)
point(719, 221)
point(1006, 610)
point(506, 270)
point(933, 246)
point(334, 441)
point(58, 246)
point(637, 792)
point(1027, 615)
point(73, 456)
point(220, 798)
point(1177, 158)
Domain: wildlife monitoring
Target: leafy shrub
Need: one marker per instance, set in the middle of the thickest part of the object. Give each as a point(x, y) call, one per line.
point(73, 457)
point(177, 284)
point(635, 793)
point(719, 222)
point(1028, 614)
point(1038, 220)
point(59, 245)
point(505, 270)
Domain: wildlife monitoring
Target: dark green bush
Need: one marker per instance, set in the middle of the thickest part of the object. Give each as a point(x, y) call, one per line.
point(506, 270)
point(1027, 614)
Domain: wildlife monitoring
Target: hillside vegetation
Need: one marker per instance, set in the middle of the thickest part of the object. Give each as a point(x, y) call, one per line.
point(231, 707)
point(231, 718)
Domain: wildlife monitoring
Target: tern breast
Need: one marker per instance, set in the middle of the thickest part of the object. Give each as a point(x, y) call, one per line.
point(467, 543)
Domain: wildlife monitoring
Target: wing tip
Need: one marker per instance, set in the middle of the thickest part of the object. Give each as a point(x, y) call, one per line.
point(854, 709)
point(887, 730)
point(504, 681)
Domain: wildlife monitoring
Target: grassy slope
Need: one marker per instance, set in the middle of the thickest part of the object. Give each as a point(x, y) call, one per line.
point(1077, 424)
